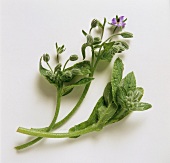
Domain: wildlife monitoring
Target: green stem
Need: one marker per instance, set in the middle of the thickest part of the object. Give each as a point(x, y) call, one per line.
point(89, 129)
point(114, 29)
point(111, 37)
point(113, 33)
point(64, 120)
point(92, 60)
point(57, 58)
point(102, 34)
point(103, 28)
point(90, 30)
point(65, 65)
point(56, 135)
point(49, 66)
point(59, 94)
point(48, 128)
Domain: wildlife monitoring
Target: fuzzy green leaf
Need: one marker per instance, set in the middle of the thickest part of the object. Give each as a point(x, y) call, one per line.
point(107, 46)
point(107, 55)
point(108, 94)
point(126, 35)
point(119, 115)
point(116, 76)
point(99, 24)
point(66, 90)
point(129, 82)
point(92, 119)
point(84, 67)
point(121, 96)
point(141, 106)
point(84, 33)
point(105, 114)
point(108, 52)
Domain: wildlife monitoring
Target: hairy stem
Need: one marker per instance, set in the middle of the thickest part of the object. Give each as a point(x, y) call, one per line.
point(56, 135)
point(50, 126)
point(49, 66)
point(92, 60)
point(65, 65)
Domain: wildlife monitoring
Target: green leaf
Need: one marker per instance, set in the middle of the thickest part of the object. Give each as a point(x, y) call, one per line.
point(92, 119)
point(108, 52)
point(119, 115)
point(67, 90)
point(84, 67)
point(108, 94)
point(84, 33)
point(105, 114)
point(116, 76)
point(81, 82)
point(107, 46)
point(126, 35)
point(107, 55)
point(129, 82)
point(141, 106)
point(121, 97)
point(46, 73)
point(99, 24)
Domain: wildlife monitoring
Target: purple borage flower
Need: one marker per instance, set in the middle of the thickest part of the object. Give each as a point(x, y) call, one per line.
point(119, 21)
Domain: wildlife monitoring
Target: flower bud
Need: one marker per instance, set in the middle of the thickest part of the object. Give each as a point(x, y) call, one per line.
point(76, 71)
point(97, 40)
point(130, 93)
point(89, 40)
point(115, 48)
point(66, 76)
point(58, 67)
point(94, 23)
point(126, 35)
point(73, 57)
point(46, 57)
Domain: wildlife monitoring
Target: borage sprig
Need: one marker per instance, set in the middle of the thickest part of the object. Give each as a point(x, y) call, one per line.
point(62, 78)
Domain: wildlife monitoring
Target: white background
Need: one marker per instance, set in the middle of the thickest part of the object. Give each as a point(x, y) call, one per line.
point(31, 28)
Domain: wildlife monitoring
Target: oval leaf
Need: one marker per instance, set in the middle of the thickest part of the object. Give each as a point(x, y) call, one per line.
point(116, 76)
point(66, 90)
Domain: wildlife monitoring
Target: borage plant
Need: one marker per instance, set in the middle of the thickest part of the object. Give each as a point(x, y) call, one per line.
point(120, 96)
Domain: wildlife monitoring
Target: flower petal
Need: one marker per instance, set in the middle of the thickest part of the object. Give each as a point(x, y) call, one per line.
point(114, 22)
point(119, 25)
point(123, 24)
point(121, 18)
